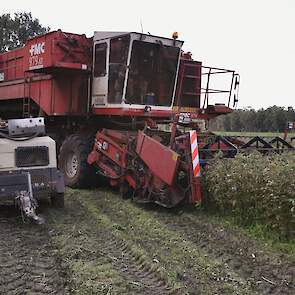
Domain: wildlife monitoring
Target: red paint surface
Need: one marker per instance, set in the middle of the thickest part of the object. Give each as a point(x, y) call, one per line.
point(162, 161)
point(59, 85)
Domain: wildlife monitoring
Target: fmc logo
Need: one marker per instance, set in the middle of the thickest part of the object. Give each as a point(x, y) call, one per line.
point(37, 49)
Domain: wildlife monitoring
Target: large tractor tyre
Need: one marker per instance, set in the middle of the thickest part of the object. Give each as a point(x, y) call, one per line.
point(72, 161)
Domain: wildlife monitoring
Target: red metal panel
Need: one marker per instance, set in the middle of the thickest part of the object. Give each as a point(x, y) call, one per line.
point(11, 90)
point(55, 49)
point(161, 160)
point(188, 90)
point(11, 64)
point(41, 92)
point(58, 49)
point(56, 80)
point(126, 111)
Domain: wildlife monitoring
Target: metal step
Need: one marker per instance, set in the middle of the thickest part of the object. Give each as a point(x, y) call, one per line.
point(192, 77)
point(191, 93)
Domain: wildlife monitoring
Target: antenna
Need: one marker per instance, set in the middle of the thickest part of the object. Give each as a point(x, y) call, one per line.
point(141, 25)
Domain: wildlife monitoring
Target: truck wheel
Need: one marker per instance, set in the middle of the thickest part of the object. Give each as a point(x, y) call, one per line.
point(58, 200)
point(73, 161)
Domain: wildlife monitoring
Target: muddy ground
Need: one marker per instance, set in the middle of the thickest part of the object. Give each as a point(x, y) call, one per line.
point(101, 244)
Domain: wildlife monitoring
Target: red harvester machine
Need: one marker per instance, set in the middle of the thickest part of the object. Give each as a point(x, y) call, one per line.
point(119, 104)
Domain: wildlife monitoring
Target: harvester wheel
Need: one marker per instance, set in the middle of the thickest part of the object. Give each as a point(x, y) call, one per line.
point(58, 200)
point(73, 161)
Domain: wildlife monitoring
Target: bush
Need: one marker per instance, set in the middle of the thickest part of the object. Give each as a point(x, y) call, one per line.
point(255, 189)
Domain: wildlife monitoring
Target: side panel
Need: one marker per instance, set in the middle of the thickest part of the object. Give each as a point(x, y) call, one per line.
point(13, 89)
point(162, 161)
point(53, 70)
point(188, 91)
point(11, 65)
point(7, 152)
point(56, 95)
point(58, 50)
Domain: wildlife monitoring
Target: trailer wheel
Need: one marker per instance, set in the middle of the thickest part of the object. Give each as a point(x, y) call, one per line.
point(58, 200)
point(73, 161)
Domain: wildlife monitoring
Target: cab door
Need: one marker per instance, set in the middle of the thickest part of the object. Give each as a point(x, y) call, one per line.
point(100, 73)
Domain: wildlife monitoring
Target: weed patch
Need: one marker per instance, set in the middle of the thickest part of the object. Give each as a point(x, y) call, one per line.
point(255, 189)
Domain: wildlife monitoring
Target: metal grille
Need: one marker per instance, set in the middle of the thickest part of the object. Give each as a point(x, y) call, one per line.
point(31, 156)
point(39, 178)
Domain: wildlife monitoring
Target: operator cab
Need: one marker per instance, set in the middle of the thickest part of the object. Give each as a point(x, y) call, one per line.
point(134, 73)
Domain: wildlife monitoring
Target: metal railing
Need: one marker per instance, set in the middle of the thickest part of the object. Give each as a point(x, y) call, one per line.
point(230, 93)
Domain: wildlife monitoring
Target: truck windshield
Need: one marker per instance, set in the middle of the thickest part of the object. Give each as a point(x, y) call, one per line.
point(152, 74)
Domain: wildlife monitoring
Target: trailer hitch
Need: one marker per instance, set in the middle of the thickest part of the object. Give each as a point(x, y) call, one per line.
point(28, 204)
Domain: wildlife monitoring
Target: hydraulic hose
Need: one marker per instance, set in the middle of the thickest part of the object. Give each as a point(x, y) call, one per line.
point(3, 135)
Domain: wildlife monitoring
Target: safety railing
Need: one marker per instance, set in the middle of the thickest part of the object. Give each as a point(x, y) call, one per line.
point(221, 83)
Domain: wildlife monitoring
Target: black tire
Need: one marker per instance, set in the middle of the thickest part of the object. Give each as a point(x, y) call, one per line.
point(58, 200)
point(75, 149)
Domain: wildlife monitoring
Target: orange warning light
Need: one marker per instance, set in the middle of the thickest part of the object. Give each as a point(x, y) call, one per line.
point(175, 35)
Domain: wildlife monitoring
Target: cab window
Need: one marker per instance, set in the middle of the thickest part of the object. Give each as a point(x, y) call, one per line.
point(119, 48)
point(100, 60)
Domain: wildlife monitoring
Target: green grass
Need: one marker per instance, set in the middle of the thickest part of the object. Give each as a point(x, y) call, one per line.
point(174, 253)
point(92, 217)
point(77, 239)
point(270, 239)
point(259, 232)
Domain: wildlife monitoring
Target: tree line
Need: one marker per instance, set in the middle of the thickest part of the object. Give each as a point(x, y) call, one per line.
point(16, 29)
point(272, 119)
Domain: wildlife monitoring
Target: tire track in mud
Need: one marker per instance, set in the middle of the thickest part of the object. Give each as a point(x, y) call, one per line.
point(135, 269)
point(27, 263)
point(92, 241)
point(268, 273)
point(197, 276)
point(132, 265)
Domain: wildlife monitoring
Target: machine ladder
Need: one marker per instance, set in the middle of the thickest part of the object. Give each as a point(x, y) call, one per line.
point(27, 99)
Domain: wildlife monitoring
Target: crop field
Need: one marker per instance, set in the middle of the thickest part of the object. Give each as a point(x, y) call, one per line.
point(102, 244)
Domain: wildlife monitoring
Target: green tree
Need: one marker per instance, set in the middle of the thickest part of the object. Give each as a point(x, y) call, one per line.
point(260, 120)
point(16, 30)
point(272, 119)
point(236, 121)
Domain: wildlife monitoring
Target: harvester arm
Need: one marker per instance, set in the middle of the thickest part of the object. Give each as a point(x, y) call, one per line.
point(155, 172)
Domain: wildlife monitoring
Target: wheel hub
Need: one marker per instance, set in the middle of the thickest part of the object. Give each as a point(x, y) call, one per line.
point(72, 165)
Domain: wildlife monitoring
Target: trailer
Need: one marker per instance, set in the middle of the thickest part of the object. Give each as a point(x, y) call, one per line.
point(122, 105)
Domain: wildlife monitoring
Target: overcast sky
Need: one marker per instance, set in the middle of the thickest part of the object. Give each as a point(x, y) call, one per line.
point(255, 38)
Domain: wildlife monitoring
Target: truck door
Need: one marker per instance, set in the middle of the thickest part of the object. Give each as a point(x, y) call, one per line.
point(100, 73)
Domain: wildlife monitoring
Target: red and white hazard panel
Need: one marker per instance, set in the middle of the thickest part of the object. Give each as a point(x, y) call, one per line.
point(195, 153)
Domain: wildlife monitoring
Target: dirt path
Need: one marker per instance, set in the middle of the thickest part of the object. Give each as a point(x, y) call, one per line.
point(27, 262)
point(235, 263)
point(266, 271)
point(101, 244)
point(180, 261)
point(99, 259)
